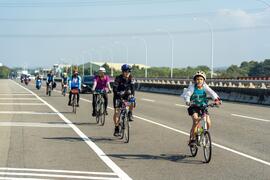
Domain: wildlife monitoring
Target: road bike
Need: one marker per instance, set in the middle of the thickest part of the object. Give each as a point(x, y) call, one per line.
point(74, 96)
point(100, 107)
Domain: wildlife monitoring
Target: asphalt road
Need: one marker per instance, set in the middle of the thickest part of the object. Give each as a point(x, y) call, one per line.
point(41, 139)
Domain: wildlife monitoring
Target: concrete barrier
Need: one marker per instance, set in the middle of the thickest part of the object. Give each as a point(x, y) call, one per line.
point(235, 94)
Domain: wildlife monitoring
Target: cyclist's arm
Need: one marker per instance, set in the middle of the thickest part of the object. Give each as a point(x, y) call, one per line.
point(211, 93)
point(188, 93)
point(115, 85)
point(132, 87)
point(69, 83)
point(94, 85)
point(80, 82)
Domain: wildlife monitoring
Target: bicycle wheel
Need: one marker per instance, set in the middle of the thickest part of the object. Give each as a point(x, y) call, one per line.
point(102, 114)
point(49, 92)
point(121, 126)
point(193, 150)
point(126, 129)
point(207, 146)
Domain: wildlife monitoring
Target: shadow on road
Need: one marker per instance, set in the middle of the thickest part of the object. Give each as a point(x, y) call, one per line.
point(78, 139)
point(177, 158)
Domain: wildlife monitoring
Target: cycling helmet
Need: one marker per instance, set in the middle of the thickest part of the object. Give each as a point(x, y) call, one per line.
point(102, 69)
point(126, 68)
point(199, 73)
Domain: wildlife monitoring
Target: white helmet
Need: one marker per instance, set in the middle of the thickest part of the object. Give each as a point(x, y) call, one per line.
point(199, 73)
point(102, 69)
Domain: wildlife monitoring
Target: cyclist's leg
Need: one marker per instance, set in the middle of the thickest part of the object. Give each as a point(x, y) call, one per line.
point(105, 96)
point(94, 102)
point(196, 119)
point(69, 101)
point(208, 121)
point(78, 98)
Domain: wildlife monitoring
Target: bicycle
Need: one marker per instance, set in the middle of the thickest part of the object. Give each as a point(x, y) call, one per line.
point(124, 118)
point(203, 137)
point(100, 107)
point(64, 90)
point(49, 90)
point(74, 93)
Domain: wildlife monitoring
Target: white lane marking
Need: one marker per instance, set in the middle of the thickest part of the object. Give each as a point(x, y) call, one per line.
point(16, 94)
point(181, 105)
point(23, 124)
point(57, 171)
point(15, 98)
point(248, 117)
point(148, 100)
point(57, 176)
point(15, 178)
point(23, 104)
point(215, 144)
point(86, 139)
point(28, 112)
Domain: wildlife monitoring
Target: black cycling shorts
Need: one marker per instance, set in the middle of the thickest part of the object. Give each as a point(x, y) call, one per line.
point(192, 110)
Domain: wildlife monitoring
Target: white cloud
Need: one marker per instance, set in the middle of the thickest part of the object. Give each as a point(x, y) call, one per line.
point(243, 18)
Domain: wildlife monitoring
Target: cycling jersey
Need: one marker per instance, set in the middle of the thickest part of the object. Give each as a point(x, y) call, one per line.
point(75, 82)
point(65, 80)
point(199, 96)
point(101, 84)
point(50, 78)
point(123, 84)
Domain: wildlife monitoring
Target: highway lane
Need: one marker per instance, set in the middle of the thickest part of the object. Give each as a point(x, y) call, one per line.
point(29, 147)
point(156, 152)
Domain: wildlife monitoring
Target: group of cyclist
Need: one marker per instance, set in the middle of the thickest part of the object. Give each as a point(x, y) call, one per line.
point(124, 87)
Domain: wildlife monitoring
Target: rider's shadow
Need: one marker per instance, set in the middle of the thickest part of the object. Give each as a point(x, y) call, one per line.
point(177, 158)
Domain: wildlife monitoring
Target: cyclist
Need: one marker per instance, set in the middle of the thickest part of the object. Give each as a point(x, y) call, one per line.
point(64, 80)
point(123, 87)
point(75, 83)
point(50, 79)
point(196, 97)
point(38, 81)
point(101, 83)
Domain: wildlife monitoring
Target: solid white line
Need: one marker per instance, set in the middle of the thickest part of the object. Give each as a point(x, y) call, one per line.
point(86, 139)
point(16, 98)
point(181, 105)
point(56, 176)
point(21, 124)
point(248, 117)
point(15, 178)
point(16, 94)
point(148, 100)
point(57, 171)
point(215, 144)
point(28, 112)
point(23, 104)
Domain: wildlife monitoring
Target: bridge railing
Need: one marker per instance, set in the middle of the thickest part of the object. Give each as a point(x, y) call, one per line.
point(257, 84)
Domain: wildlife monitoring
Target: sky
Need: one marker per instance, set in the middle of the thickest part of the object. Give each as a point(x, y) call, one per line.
point(40, 33)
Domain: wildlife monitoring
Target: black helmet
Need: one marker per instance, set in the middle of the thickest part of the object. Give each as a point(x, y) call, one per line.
point(126, 68)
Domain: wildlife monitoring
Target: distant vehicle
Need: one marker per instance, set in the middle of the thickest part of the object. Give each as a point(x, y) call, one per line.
point(87, 84)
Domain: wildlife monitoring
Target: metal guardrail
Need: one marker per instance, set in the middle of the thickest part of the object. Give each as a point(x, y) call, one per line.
point(234, 83)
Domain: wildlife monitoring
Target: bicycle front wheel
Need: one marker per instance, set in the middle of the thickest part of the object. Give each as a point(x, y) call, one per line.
point(207, 146)
point(126, 130)
point(102, 115)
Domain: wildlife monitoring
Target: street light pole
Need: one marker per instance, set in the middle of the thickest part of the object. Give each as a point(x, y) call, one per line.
point(212, 42)
point(146, 54)
point(172, 49)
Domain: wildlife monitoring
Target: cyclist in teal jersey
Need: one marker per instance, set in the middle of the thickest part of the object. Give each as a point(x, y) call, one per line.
point(196, 97)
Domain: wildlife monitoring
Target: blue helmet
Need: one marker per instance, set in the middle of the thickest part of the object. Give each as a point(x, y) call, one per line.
point(126, 68)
